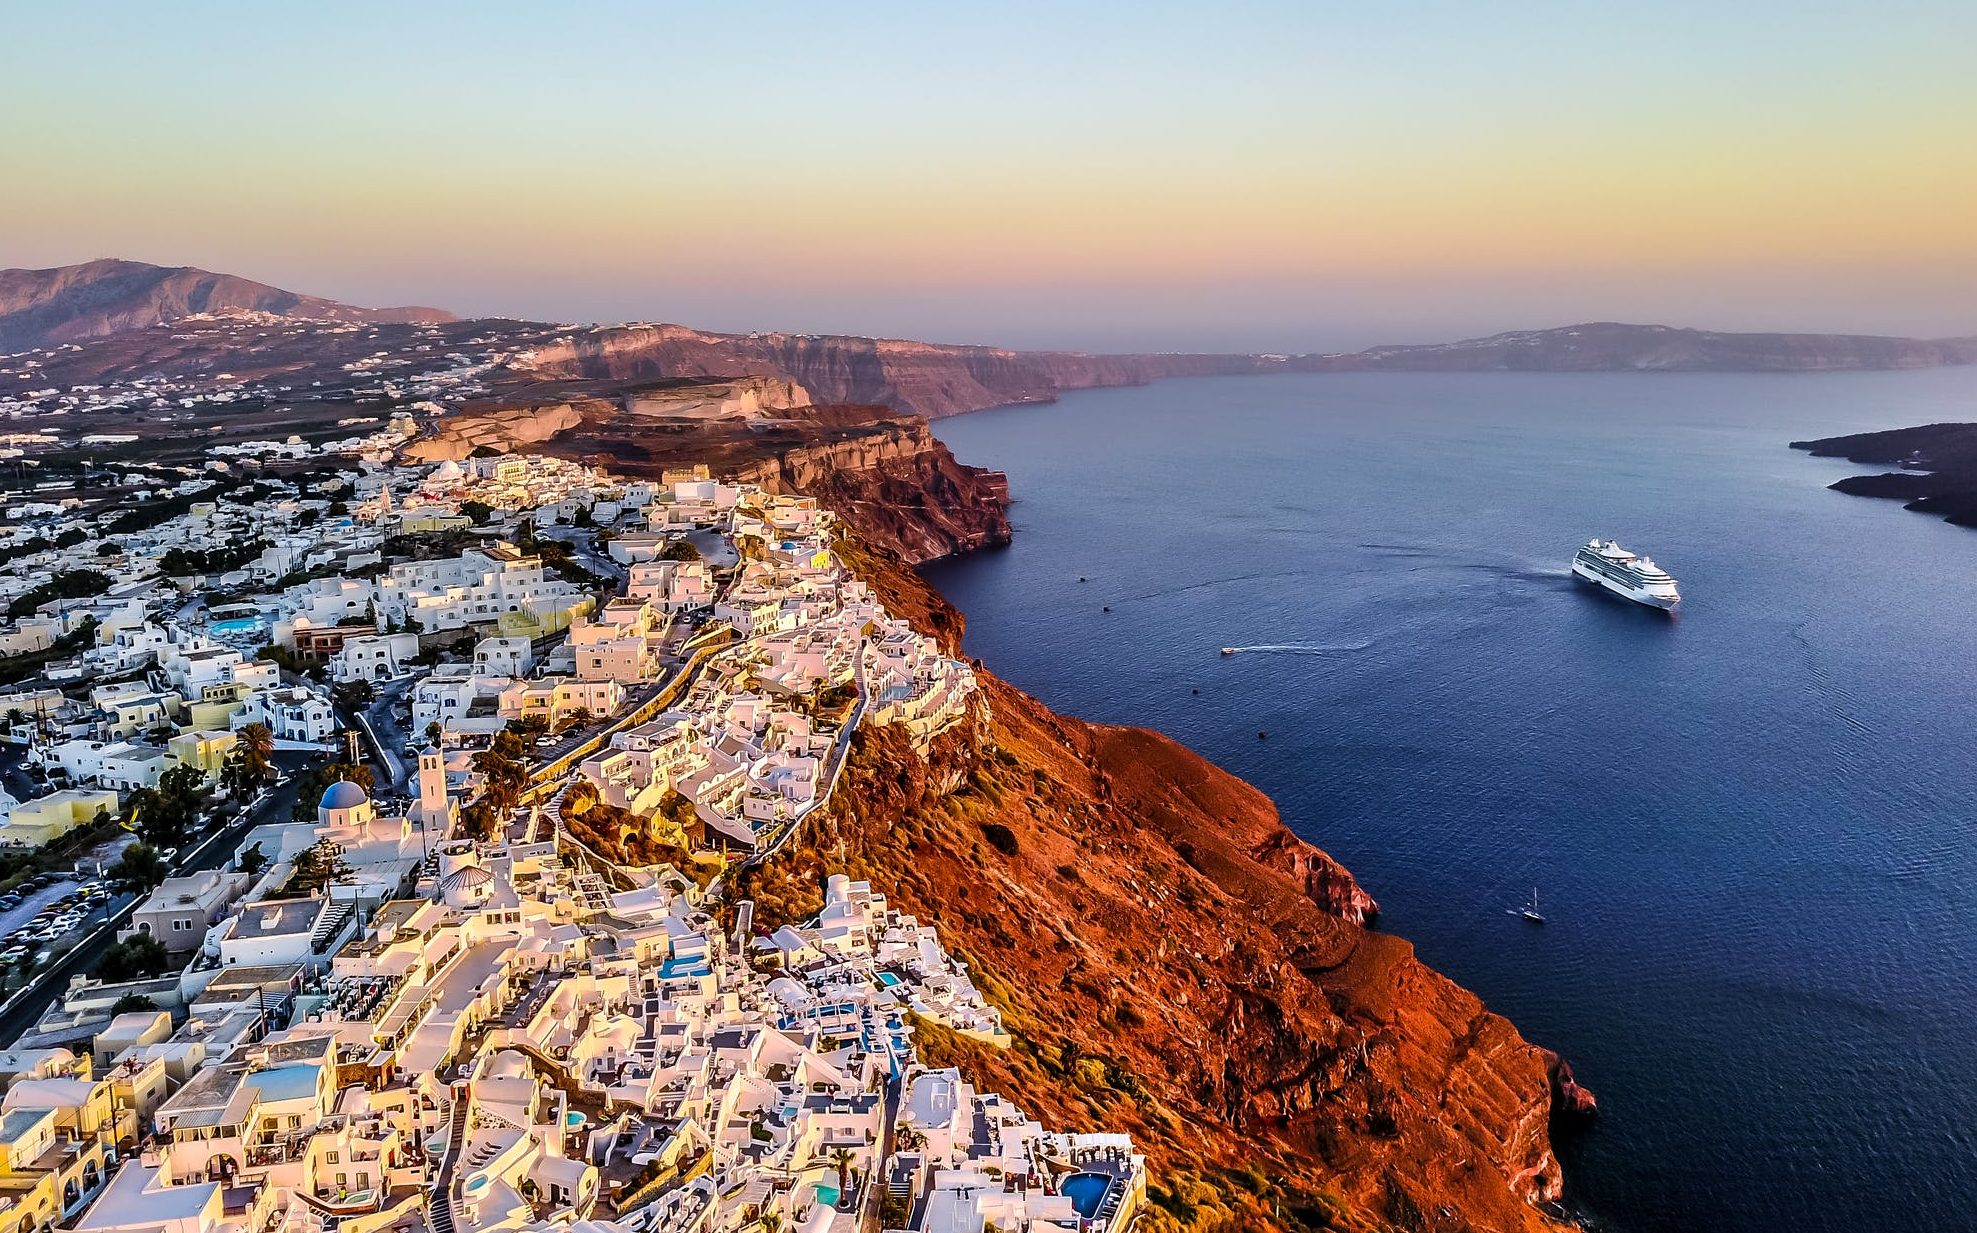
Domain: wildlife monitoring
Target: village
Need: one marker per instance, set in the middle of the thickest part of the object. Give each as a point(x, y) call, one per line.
point(366, 833)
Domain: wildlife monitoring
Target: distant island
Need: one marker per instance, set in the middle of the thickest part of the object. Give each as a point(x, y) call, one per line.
point(1610, 346)
point(1938, 461)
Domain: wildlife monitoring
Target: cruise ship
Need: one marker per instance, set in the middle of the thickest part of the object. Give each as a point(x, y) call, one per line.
point(1624, 574)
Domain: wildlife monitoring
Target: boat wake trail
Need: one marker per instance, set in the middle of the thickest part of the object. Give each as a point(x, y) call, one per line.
point(1300, 648)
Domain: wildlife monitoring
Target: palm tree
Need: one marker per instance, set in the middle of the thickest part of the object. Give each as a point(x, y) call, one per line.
point(842, 1158)
point(257, 747)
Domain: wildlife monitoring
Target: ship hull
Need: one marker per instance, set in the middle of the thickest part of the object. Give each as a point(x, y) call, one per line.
point(1638, 595)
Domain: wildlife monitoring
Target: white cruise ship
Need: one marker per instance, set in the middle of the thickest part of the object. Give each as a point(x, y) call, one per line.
point(1624, 574)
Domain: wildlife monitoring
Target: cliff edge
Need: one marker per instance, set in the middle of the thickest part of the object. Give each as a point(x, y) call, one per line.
point(1172, 961)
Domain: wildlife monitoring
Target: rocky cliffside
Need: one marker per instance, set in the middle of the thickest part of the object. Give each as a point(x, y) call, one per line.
point(884, 472)
point(1939, 464)
point(1172, 961)
point(1607, 346)
point(898, 487)
point(39, 308)
point(929, 379)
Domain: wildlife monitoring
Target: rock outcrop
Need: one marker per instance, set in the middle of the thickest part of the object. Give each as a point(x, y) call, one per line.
point(1172, 961)
point(1939, 462)
point(40, 308)
point(884, 472)
point(929, 379)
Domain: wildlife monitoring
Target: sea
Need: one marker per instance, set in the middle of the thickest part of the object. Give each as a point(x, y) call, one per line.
point(1752, 825)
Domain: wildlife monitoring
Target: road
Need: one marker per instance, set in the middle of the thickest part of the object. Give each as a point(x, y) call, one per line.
point(20, 1013)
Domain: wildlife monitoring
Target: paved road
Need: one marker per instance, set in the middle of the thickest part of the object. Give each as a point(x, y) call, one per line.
point(208, 852)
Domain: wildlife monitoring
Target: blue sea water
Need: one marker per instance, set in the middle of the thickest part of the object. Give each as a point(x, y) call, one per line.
point(1751, 825)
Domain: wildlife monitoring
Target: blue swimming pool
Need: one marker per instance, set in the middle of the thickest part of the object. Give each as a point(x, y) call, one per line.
point(1086, 1191)
point(888, 979)
point(236, 625)
point(827, 1194)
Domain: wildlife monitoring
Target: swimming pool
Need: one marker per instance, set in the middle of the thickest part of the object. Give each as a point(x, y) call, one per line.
point(1086, 1191)
point(828, 1194)
point(888, 979)
point(236, 625)
point(573, 1120)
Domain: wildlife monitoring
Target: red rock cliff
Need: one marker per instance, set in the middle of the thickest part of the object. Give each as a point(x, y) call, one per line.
point(1172, 961)
point(930, 379)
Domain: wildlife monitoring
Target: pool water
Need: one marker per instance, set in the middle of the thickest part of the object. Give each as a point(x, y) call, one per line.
point(1086, 1191)
point(828, 1195)
point(236, 625)
point(888, 979)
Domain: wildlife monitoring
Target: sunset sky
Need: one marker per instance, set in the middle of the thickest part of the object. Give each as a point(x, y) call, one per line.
point(1247, 176)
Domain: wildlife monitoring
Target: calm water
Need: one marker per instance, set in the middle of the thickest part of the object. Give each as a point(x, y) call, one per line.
point(1752, 825)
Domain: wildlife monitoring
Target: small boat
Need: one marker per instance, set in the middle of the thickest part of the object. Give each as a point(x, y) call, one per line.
point(1228, 650)
point(1530, 910)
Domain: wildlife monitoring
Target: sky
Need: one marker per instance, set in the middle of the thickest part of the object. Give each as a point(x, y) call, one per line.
point(1282, 177)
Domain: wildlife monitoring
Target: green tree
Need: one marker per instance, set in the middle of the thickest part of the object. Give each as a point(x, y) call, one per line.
point(140, 868)
point(256, 749)
point(679, 550)
point(132, 1002)
point(309, 793)
point(478, 512)
point(504, 770)
point(136, 957)
point(251, 860)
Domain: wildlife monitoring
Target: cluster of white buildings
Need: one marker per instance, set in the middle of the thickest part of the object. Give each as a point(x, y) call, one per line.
point(389, 1025)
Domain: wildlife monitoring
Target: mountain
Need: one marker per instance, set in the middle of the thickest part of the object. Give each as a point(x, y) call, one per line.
point(40, 308)
point(1608, 346)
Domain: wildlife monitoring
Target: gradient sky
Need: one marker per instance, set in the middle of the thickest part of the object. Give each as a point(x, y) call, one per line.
point(1305, 176)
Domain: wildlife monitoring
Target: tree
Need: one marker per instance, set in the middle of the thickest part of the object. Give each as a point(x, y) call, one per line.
point(842, 1158)
point(352, 695)
point(251, 861)
point(165, 814)
point(310, 792)
point(132, 1002)
point(136, 957)
point(140, 868)
point(477, 512)
point(435, 734)
point(256, 749)
point(679, 550)
point(504, 771)
point(109, 548)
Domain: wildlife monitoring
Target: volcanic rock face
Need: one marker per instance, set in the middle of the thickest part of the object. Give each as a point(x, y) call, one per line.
point(1940, 461)
point(1173, 962)
point(928, 378)
point(883, 472)
point(899, 488)
point(67, 303)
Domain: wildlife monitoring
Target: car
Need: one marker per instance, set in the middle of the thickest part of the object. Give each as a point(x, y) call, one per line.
point(168, 853)
point(13, 954)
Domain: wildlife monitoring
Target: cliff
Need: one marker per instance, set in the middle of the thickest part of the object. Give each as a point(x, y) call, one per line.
point(884, 472)
point(40, 308)
point(1606, 346)
point(930, 379)
point(1939, 464)
point(1172, 961)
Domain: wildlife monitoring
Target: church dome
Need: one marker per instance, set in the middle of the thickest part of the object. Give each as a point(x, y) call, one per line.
point(466, 879)
point(344, 794)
